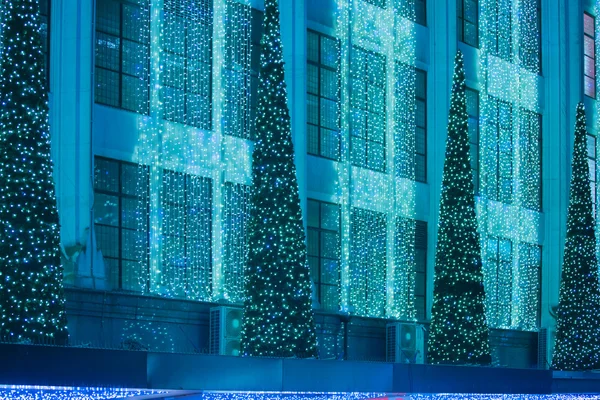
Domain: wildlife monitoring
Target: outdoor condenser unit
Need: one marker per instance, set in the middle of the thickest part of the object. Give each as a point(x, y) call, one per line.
point(405, 343)
point(225, 331)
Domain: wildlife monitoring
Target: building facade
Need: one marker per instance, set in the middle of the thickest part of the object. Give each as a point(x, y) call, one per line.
point(152, 105)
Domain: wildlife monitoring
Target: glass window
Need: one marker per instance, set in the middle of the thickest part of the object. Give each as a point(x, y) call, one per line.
point(121, 220)
point(236, 113)
point(187, 74)
point(45, 34)
point(530, 49)
point(591, 153)
point(323, 96)
point(530, 143)
point(473, 123)
point(368, 124)
point(530, 265)
point(235, 224)
point(256, 33)
point(421, 126)
point(324, 243)
point(411, 236)
point(186, 235)
point(468, 21)
point(368, 262)
point(589, 55)
point(122, 54)
point(499, 282)
point(499, 153)
point(415, 10)
point(501, 29)
point(378, 3)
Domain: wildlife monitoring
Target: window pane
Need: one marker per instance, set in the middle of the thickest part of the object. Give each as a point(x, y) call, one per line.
point(330, 144)
point(330, 216)
point(106, 209)
point(589, 46)
point(107, 51)
point(108, 15)
point(108, 240)
point(588, 25)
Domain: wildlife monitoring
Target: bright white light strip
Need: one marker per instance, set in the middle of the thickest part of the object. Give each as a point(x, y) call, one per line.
point(367, 26)
point(513, 83)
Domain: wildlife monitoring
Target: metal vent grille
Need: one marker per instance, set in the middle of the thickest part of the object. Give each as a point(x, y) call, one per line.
point(542, 359)
point(390, 348)
point(215, 331)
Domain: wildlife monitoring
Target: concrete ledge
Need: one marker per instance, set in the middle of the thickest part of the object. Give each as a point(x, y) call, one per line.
point(60, 366)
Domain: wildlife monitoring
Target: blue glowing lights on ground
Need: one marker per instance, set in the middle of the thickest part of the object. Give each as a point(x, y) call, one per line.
point(77, 393)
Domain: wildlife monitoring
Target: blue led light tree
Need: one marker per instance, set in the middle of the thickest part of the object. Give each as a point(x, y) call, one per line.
point(278, 317)
point(577, 346)
point(31, 293)
point(458, 332)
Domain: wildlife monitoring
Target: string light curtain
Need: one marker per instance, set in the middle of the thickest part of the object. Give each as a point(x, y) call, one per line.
point(192, 184)
point(510, 159)
point(377, 156)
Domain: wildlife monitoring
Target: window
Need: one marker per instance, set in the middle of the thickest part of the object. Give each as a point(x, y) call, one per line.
point(530, 260)
point(589, 55)
point(421, 126)
point(256, 33)
point(416, 232)
point(45, 33)
point(501, 37)
point(499, 152)
point(530, 49)
point(591, 153)
point(122, 55)
point(415, 10)
point(368, 262)
point(473, 123)
point(323, 96)
point(187, 74)
point(499, 282)
point(530, 144)
point(235, 224)
point(378, 3)
point(368, 104)
point(324, 243)
point(121, 220)
point(186, 236)
point(237, 55)
point(468, 21)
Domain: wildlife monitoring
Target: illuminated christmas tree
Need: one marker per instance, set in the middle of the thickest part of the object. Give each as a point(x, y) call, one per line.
point(31, 294)
point(577, 346)
point(458, 332)
point(278, 317)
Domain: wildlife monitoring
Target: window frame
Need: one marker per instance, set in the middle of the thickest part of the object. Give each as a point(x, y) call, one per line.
point(320, 230)
point(120, 195)
point(189, 60)
point(364, 77)
point(421, 227)
point(182, 234)
point(120, 71)
point(320, 66)
point(462, 22)
point(474, 142)
point(421, 156)
point(585, 57)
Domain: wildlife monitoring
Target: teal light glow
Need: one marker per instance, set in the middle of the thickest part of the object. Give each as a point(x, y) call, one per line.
point(510, 154)
point(376, 175)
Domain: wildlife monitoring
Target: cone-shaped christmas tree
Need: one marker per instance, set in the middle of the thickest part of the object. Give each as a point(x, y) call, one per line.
point(278, 317)
point(458, 333)
point(31, 293)
point(577, 346)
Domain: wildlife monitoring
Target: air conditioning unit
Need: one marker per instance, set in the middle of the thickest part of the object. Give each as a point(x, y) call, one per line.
point(405, 343)
point(225, 330)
